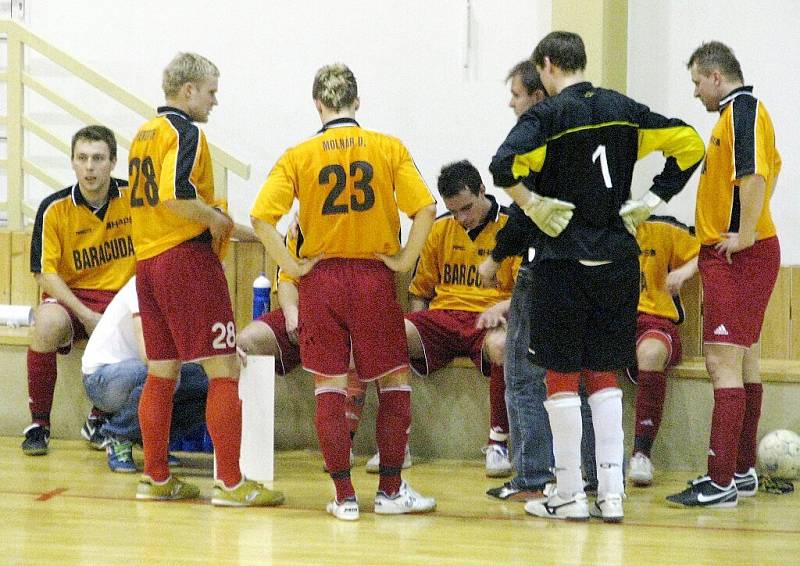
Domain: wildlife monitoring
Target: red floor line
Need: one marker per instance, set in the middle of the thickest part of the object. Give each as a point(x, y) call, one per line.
point(51, 494)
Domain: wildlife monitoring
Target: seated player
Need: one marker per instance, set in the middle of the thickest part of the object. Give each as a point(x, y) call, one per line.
point(456, 313)
point(81, 254)
point(668, 260)
point(114, 371)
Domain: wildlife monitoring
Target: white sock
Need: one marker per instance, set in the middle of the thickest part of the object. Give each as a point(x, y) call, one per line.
point(606, 407)
point(564, 412)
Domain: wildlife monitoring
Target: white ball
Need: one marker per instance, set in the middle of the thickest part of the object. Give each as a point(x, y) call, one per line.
point(779, 454)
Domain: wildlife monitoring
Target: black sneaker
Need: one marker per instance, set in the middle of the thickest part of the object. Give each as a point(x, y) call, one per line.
point(703, 492)
point(746, 483)
point(509, 492)
point(37, 438)
point(633, 374)
point(91, 432)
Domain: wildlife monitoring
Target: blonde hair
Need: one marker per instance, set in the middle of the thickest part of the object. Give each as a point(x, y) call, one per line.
point(186, 68)
point(335, 86)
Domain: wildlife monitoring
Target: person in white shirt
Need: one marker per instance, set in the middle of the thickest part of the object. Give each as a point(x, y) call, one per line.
point(114, 371)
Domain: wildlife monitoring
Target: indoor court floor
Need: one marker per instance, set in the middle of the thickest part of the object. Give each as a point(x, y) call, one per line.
point(68, 508)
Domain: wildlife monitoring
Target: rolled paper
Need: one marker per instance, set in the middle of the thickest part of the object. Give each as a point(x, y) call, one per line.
point(16, 315)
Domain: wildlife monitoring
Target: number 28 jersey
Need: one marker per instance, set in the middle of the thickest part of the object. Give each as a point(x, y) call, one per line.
point(168, 159)
point(350, 183)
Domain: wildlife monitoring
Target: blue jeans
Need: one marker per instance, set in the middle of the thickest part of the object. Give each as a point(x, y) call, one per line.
point(116, 389)
point(528, 423)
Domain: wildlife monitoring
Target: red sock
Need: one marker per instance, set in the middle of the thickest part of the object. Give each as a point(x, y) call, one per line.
point(334, 439)
point(42, 371)
point(155, 415)
point(649, 407)
point(356, 393)
point(391, 429)
point(747, 440)
point(498, 419)
point(224, 422)
point(726, 428)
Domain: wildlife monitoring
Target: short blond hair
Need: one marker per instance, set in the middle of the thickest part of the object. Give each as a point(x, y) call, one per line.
point(186, 68)
point(335, 86)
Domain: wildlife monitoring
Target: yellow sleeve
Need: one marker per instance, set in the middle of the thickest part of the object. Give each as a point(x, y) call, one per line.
point(51, 243)
point(426, 274)
point(277, 194)
point(410, 189)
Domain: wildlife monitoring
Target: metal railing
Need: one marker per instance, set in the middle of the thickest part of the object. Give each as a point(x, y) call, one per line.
point(17, 123)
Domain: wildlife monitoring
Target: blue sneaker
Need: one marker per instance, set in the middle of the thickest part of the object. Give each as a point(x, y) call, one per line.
point(120, 456)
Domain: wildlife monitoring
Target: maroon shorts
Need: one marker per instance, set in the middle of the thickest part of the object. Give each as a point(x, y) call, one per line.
point(351, 302)
point(184, 304)
point(735, 295)
point(289, 352)
point(649, 326)
point(95, 299)
point(447, 334)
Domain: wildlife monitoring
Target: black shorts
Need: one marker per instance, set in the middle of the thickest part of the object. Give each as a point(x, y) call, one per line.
point(584, 317)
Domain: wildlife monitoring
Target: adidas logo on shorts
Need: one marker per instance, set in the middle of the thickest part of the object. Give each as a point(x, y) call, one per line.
point(720, 330)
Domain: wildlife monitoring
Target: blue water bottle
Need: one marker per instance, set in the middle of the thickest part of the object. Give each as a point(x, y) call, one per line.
point(261, 290)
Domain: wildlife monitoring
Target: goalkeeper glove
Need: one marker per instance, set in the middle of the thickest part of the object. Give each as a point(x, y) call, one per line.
point(634, 212)
point(549, 214)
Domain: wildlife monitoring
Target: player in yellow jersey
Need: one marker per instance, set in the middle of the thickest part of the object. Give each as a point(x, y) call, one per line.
point(81, 255)
point(739, 262)
point(457, 313)
point(351, 183)
point(668, 259)
point(183, 294)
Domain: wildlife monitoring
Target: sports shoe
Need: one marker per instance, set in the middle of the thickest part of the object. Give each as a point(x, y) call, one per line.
point(374, 463)
point(347, 510)
point(247, 493)
point(120, 456)
point(173, 461)
point(640, 470)
point(498, 464)
point(352, 462)
point(633, 374)
point(404, 501)
point(171, 488)
point(510, 492)
point(703, 492)
point(609, 508)
point(746, 483)
point(575, 508)
point(37, 439)
point(91, 432)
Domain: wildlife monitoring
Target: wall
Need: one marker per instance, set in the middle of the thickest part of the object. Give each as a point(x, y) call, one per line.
point(409, 59)
point(662, 36)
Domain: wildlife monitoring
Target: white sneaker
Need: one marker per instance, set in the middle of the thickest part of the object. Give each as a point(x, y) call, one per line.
point(575, 508)
point(498, 464)
point(347, 510)
point(405, 501)
point(609, 508)
point(640, 470)
point(374, 463)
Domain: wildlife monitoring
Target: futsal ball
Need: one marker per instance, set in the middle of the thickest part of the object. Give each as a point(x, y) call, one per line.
point(779, 454)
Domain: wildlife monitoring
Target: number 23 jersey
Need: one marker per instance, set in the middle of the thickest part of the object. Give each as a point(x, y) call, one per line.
point(168, 159)
point(350, 183)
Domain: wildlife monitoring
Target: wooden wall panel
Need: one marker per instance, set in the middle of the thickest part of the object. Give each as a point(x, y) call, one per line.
point(5, 267)
point(24, 290)
point(691, 330)
point(250, 261)
point(776, 332)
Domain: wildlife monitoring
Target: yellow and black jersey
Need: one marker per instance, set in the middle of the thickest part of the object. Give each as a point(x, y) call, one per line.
point(350, 183)
point(447, 270)
point(742, 143)
point(666, 244)
point(581, 146)
point(293, 244)
point(88, 248)
point(168, 159)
